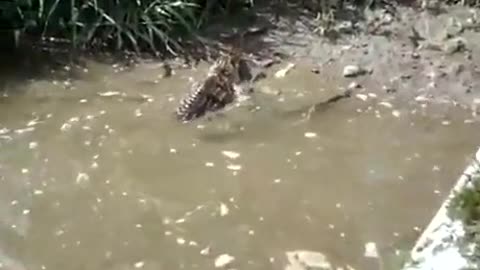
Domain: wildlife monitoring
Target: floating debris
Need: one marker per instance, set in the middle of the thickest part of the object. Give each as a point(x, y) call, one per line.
point(396, 113)
point(205, 251)
point(371, 250)
point(421, 98)
point(231, 154)
point(224, 210)
point(223, 260)
point(283, 72)
point(234, 167)
point(65, 127)
point(209, 164)
point(361, 97)
point(181, 241)
point(139, 264)
point(82, 177)
point(109, 94)
point(310, 135)
point(386, 104)
point(354, 85)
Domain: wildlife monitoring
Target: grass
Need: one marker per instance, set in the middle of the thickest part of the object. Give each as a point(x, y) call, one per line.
point(138, 25)
point(156, 26)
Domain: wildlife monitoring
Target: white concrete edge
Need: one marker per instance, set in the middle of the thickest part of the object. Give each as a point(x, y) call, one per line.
point(431, 241)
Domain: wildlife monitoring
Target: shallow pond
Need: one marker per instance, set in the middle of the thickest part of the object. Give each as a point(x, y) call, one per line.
point(111, 182)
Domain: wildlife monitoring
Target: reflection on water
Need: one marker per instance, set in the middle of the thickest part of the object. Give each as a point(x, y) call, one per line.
point(114, 182)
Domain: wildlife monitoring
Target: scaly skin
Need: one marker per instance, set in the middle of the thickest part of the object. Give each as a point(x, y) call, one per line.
point(220, 88)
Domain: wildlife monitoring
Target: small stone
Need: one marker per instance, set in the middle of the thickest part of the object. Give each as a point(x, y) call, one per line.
point(352, 71)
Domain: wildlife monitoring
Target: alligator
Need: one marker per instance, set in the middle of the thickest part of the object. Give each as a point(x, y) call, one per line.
point(228, 78)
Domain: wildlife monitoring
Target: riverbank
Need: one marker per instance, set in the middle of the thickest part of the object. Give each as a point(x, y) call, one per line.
point(444, 244)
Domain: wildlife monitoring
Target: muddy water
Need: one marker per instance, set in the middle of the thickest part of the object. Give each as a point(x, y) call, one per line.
point(92, 182)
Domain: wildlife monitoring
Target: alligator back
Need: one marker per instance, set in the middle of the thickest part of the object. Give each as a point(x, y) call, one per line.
point(211, 95)
point(219, 89)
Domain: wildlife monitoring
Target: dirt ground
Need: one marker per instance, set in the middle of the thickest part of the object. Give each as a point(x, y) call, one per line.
point(411, 56)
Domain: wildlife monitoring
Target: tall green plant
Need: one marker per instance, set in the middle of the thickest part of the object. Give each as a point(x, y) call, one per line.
point(123, 24)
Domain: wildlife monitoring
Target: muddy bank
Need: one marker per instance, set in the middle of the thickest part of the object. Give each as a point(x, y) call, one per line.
point(411, 55)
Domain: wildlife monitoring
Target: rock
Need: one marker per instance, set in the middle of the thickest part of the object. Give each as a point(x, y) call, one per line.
point(307, 260)
point(353, 70)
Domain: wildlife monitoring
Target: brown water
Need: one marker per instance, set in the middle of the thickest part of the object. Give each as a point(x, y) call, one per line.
point(90, 182)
